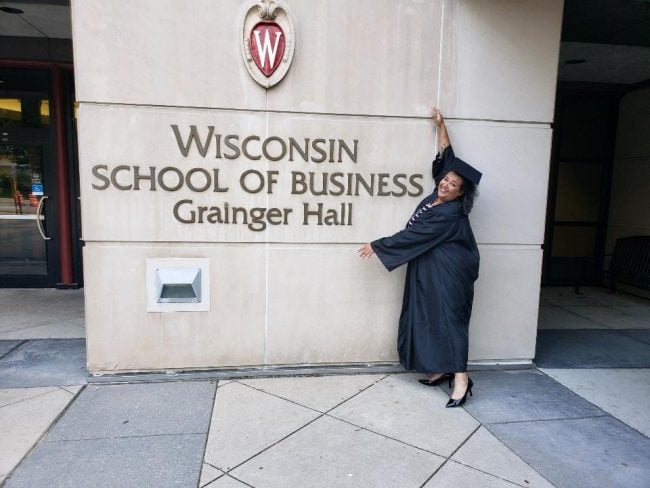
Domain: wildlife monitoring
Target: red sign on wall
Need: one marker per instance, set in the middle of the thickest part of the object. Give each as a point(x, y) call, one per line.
point(267, 43)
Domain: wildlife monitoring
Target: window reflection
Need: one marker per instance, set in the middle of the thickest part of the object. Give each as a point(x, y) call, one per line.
point(24, 112)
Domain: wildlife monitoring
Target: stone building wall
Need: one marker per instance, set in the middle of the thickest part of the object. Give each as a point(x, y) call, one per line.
point(365, 74)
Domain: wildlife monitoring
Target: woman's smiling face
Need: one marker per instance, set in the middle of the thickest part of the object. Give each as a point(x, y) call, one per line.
point(450, 187)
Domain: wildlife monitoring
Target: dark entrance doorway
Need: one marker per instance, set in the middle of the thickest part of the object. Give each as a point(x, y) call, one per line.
point(30, 231)
point(579, 184)
point(598, 154)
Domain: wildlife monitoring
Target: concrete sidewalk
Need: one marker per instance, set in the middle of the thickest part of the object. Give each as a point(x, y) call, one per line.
point(580, 420)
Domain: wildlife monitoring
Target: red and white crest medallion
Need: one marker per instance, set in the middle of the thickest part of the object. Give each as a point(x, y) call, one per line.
point(268, 42)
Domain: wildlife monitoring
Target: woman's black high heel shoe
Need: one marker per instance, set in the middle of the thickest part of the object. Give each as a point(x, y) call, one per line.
point(437, 381)
point(457, 403)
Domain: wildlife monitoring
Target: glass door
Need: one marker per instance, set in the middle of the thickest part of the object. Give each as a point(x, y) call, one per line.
point(26, 244)
point(28, 253)
point(22, 250)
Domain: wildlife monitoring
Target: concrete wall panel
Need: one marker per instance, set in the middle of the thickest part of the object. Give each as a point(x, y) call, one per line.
point(506, 302)
point(374, 57)
point(118, 135)
point(499, 59)
point(122, 335)
point(162, 52)
point(514, 159)
point(328, 306)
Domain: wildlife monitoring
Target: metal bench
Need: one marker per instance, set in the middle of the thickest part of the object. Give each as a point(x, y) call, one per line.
point(630, 264)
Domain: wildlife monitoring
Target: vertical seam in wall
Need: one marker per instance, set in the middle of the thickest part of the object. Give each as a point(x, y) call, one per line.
point(442, 28)
point(266, 251)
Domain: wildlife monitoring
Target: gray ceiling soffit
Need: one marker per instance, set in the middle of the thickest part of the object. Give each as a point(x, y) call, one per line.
point(37, 20)
point(622, 22)
point(64, 3)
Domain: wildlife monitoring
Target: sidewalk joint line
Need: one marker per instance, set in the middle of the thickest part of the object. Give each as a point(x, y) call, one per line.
point(625, 332)
point(305, 406)
point(63, 387)
point(40, 438)
point(142, 436)
point(589, 319)
point(486, 427)
point(221, 475)
point(279, 397)
point(385, 436)
point(451, 455)
point(497, 476)
point(240, 480)
point(55, 388)
point(14, 348)
point(207, 434)
point(274, 444)
point(296, 430)
point(605, 414)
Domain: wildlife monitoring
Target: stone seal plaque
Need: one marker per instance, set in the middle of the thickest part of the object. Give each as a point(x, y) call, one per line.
point(268, 42)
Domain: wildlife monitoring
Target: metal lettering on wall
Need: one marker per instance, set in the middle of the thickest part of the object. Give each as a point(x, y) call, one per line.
point(331, 173)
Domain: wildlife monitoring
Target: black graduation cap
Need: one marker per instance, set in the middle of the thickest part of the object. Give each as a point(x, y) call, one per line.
point(465, 170)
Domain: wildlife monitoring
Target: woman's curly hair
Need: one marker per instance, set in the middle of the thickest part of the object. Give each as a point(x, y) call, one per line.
point(470, 194)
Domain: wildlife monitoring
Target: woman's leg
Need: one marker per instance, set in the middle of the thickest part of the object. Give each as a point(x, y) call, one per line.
point(461, 382)
point(435, 376)
point(434, 379)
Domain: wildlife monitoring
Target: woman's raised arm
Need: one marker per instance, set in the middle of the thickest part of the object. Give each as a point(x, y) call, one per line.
point(443, 136)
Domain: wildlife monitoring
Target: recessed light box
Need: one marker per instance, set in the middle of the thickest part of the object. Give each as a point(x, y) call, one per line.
point(178, 285)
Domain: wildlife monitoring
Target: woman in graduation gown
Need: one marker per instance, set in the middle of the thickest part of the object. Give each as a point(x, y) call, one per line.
point(443, 261)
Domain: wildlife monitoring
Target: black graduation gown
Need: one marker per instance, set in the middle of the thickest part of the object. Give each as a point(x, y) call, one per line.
point(443, 262)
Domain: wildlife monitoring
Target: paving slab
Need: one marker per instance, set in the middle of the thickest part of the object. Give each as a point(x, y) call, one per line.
point(454, 474)
point(65, 329)
point(41, 314)
point(246, 421)
point(47, 362)
point(19, 317)
point(24, 419)
point(562, 349)
point(400, 407)
point(639, 312)
point(599, 452)
point(8, 346)
point(142, 409)
point(57, 303)
point(329, 452)
point(72, 388)
point(227, 482)
point(160, 461)
point(614, 317)
point(606, 387)
point(588, 296)
point(516, 396)
point(208, 474)
point(642, 335)
point(552, 317)
point(319, 393)
point(488, 454)
point(11, 295)
point(9, 396)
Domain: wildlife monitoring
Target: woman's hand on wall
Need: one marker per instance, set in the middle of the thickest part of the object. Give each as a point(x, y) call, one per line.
point(438, 119)
point(443, 136)
point(365, 251)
